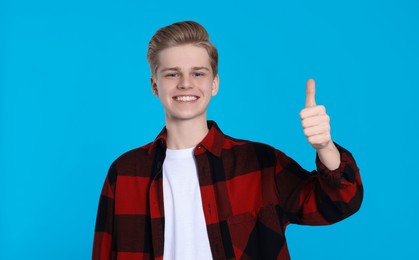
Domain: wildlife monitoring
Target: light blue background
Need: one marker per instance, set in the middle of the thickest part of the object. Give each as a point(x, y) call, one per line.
point(75, 94)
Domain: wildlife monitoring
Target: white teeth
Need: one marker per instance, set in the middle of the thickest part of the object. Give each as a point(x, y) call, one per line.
point(185, 98)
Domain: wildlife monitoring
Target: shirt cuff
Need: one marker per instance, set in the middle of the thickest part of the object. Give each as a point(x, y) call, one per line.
point(345, 174)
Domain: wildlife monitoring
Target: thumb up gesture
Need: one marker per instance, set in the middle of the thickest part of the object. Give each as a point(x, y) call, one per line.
point(315, 121)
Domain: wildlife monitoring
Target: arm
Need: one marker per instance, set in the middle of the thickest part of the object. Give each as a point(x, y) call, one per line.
point(319, 197)
point(331, 193)
point(102, 244)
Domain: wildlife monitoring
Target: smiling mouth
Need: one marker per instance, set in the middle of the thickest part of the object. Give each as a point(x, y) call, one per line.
point(185, 98)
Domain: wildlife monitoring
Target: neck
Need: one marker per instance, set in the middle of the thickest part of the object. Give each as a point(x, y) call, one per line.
point(185, 134)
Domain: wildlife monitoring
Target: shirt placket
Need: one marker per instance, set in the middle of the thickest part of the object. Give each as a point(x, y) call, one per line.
point(209, 203)
point(157, 207)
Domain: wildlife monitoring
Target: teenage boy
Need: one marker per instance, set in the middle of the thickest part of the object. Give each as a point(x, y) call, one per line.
point(196, 193)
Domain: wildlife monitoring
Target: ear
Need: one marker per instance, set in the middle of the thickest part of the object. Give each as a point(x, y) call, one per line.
point(215, 84)
point(154, 86)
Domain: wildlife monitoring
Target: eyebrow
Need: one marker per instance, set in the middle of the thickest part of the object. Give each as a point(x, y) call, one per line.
point(178, 69)
point(170, 68)
point(201, 68)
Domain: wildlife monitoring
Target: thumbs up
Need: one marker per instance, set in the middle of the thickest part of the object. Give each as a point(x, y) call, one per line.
point(314, 119)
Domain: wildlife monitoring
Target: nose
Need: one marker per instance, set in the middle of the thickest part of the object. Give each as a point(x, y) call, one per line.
point(185, 82)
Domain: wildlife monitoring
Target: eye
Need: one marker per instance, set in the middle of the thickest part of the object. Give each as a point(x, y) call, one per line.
point(171, 75)
point(198, 74)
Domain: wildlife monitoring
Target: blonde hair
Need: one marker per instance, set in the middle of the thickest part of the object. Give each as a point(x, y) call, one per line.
point(187, 32)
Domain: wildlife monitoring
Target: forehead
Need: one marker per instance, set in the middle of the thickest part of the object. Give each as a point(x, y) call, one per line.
point(184, 57)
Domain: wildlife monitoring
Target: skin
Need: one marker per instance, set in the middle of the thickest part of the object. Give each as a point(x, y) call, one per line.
point(185, 72)
point(316, 126)
point(184, 82)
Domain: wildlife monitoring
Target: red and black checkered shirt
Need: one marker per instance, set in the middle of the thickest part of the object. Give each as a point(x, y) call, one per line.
point(250, 193)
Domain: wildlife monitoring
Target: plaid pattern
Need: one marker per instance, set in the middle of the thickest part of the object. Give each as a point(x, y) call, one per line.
point(250, 193)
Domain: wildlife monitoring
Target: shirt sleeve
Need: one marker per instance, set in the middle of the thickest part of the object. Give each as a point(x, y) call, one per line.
point(102, 242)
point(319, 197)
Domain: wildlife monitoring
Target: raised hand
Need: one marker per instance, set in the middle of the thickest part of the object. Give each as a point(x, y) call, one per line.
point(315, 121)
point(316, 124)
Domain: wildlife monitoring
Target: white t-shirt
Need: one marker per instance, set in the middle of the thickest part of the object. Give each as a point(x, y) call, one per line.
point(185, 231)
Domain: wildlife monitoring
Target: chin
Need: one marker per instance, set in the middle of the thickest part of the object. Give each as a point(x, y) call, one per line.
point(185, 116)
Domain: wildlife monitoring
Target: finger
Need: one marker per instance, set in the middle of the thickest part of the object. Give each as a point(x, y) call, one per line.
point(317, 130)
point(319, 140)
point(312, 111)
point(317, 120)
point(310, 93)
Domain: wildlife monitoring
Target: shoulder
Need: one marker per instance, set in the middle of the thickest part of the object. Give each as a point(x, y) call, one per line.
point(133, 162)
point(135, 154)
point(231, 142)
point(264, 153)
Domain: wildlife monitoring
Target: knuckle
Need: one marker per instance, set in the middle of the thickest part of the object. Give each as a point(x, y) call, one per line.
point(313, 139)
point(310, 139)
point(327, 128)
point(301, 113)
point(325, 138)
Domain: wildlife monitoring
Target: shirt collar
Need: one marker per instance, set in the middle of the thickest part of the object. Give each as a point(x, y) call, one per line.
point(160, 141)
point(212, 142)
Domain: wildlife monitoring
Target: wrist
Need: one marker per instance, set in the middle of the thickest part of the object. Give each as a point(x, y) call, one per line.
point(329, 155)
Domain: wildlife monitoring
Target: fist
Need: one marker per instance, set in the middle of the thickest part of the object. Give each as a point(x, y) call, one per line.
point(315, 121)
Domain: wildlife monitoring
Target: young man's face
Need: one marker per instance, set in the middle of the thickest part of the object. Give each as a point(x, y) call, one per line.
point(184, 82)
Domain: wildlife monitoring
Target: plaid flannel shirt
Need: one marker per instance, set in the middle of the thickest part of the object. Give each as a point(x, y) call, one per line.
point(250, 193)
